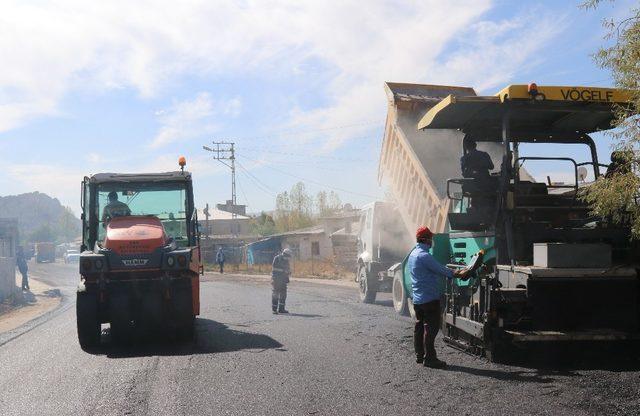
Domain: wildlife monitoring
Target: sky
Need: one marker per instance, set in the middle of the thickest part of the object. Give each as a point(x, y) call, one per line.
point(120, 86)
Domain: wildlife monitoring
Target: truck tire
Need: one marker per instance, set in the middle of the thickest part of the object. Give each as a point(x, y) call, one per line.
point(87, 320)
point(121, 318)
point(400, 302)
point(412, 311)
point(183, 316)
point(149, 316)
point(367, 285)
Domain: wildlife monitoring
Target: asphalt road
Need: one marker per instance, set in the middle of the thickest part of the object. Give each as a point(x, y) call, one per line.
point(331, 356)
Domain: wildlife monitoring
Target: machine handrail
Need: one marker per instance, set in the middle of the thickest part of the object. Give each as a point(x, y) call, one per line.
point(575, 169)
point(462, 181)
point(457, 181)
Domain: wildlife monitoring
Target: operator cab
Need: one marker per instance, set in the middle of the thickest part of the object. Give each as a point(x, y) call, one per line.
point(162, 201)
point(538, 130)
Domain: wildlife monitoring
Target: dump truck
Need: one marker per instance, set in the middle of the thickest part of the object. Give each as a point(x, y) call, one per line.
point(547, 269)
point(45, 252)
point(140, 263)
point(382, 242)
point(414, 170)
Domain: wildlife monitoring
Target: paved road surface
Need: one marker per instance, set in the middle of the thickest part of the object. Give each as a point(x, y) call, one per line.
point(330, 356)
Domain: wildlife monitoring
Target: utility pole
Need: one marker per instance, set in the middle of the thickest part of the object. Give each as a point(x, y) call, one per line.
point(224, 152)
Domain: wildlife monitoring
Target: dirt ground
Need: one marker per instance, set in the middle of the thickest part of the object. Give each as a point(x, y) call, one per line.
point(28, 305)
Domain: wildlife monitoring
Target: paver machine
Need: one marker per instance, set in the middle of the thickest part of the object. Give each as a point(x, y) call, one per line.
point(548, 270)
point(140, 256)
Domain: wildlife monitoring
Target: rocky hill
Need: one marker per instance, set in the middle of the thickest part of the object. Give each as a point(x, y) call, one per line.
point(40, 217)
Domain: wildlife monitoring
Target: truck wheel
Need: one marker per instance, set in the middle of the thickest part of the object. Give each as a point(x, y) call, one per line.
point(368, 286)
point(183, 315)
point(412, 311)
point(87, 321)
point(150, 313)
point(400, 303)
point(120, 318)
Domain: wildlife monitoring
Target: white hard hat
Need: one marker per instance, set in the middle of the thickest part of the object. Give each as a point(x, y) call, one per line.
point(287, 252)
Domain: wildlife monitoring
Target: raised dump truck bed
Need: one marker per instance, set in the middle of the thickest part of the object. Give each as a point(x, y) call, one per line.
point(415, 164)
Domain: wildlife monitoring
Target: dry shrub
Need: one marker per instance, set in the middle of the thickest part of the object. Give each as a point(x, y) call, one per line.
point(321, 269)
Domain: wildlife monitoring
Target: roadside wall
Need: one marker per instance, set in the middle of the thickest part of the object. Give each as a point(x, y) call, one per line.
point(8, 243)
point(7, 276)
point(309, 246)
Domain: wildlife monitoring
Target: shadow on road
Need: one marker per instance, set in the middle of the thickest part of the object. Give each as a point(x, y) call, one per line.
point(301, 315)
point(519, 376)
point(211, 337)
point(386, 302)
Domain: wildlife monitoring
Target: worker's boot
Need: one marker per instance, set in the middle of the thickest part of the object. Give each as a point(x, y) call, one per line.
point(434, 363)
point(274, 310)
point(281, 309)
point(419, 359)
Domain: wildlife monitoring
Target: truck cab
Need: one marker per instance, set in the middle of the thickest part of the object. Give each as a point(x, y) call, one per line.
point(382, 242)
point(140, 264)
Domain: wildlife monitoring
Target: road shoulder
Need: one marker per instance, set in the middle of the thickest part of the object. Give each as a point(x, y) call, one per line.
point(29, 305)
point(208, 276)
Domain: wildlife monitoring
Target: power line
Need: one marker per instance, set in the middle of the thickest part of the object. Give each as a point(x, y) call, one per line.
point(246, 200)
point(344, 159)
point(315, 182)
point(260, 185)
point(306, 142)
point(257, 185)
point(223, 151)
point(300, 132)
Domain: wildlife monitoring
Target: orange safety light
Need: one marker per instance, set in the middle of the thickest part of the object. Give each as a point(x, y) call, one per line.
point(182, 161)
point(532, 89)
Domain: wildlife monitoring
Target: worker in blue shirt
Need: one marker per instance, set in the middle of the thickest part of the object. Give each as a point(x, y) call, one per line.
point(426, 282)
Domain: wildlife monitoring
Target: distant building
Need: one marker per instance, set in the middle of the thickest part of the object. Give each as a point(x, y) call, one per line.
point(343, 232)
point(334, 238)
point(221, 222)
point(223, 230)
point(306, 243)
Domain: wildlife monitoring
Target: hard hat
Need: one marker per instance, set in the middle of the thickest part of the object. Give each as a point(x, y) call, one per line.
point(424, 233)
point(287, 252)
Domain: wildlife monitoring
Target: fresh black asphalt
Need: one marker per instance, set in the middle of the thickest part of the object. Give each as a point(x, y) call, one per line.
point(330, 356)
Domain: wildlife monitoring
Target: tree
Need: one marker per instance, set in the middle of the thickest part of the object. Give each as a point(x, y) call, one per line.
point(293, 209)
point(614, 196)
point(263, 225)
point(327, 204)
point(334, 203)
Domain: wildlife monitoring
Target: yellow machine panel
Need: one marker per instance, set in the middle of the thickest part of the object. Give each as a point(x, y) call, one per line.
point(566, 93)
